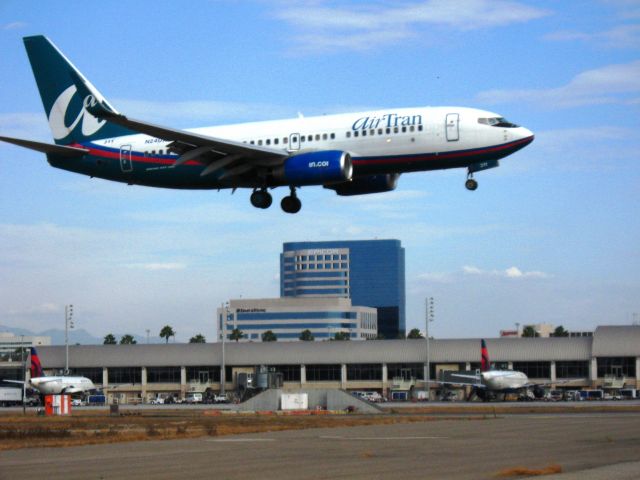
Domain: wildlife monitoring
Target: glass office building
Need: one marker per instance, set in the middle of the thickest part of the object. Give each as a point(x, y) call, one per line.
point(369, 272)
point(287, 318)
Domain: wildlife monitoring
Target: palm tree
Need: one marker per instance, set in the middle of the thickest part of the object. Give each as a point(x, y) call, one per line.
point(269, 336)
point(236, 334)
point(109, 339)
point(560, 332)
point(529, 332)
point(340, 336)
point(128, 340)
point(306, 336)
point(415, 333)
point(167, 332)
point(199, 338)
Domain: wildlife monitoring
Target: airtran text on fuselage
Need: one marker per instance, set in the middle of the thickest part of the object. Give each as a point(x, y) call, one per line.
point(387, 120)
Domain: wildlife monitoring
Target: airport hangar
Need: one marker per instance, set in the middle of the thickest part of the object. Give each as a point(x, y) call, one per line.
point(138, 373)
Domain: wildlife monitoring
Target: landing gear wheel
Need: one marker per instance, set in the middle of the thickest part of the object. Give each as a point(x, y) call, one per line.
point(261, 199)
point(471, 184)
point(291, 203)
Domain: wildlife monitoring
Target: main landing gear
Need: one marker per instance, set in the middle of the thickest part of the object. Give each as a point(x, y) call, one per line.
point(262, 199)
point(291, 203)
point(471, 184)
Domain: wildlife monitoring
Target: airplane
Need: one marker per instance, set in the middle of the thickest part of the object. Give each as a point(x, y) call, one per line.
point(351, 154)
point(489, 382)
point(54, 385)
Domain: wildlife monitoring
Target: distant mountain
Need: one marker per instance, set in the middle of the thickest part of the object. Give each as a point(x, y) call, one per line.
point(80, 336)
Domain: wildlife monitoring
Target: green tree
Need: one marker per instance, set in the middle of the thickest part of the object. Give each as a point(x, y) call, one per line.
point(560, 332)
point(269, 336)
point(306, 336)
point(166, 333)
point(128, 340)
point(415, 333)
point(236, 334)
point(109, 339)
point(529, 332)
point(199, 338)
point(341, 336)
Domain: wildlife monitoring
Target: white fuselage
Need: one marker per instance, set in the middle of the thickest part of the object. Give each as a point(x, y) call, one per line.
point(59, 384)
point(369, 137)
point(504, 380)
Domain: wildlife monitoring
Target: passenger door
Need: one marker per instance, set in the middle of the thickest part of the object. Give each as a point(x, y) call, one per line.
point(125, 159)
point(453, 127)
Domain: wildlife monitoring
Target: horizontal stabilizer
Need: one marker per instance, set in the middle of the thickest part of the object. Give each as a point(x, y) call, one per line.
point(47, 147)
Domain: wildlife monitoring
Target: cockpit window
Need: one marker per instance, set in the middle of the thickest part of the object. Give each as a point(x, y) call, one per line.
point(497, 122)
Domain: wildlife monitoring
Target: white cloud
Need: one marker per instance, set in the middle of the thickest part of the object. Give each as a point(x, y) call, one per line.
point(622, 36)
point(43, 308)
point(198, 111)
point(14, 26)
point(511, 272)
point(364, 27)
point(159, 266)
point(605, 85)
point(32, 126)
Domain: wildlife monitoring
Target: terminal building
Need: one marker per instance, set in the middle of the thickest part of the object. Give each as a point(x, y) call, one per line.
point(369, 272)
point(137, 373)
point(287, 318)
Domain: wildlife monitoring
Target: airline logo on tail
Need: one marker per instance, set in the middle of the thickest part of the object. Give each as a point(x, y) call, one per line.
point(36, 366)
point(485, 365)
point(90, 124)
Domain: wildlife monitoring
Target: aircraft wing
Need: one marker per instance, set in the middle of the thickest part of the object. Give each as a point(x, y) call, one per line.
point(236, 157)
point(544, 384)
point(13, 381)
point(461, 383)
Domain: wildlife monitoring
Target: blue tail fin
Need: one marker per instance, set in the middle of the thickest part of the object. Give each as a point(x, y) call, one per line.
point(66, 108)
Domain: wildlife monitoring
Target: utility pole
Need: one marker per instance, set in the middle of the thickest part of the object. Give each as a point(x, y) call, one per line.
point(68, 323)
point(429, 317)
point(148, 331)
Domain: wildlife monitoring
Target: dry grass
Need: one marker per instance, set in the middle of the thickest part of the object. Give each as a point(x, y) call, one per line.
point(529, 472)
point(91, 427)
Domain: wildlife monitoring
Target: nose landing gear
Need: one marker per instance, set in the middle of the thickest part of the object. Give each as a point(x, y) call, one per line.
point(471, 184)
point(291, 203)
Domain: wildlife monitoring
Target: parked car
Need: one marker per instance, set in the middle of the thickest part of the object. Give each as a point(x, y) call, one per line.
point(77, 402)
point(220, 398)
point(193, 397)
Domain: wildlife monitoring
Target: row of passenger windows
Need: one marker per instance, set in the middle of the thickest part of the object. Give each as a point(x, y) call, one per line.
point(321, 136)
point(385, 131)
point(326, 136)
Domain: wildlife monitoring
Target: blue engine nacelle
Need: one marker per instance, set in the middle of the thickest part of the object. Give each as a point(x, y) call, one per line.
point(369, 184)
point(316, 168)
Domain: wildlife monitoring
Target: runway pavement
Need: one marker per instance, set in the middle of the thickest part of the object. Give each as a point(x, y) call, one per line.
point(464, 448)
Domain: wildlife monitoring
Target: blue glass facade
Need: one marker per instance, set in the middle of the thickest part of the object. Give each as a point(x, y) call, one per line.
point(370, 272)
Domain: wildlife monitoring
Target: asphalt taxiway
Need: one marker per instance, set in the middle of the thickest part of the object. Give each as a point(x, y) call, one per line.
point(475, 447)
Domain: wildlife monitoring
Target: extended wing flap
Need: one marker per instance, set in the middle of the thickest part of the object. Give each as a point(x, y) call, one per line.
point(46, 147)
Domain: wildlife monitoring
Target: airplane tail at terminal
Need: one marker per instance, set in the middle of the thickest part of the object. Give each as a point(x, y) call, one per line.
point(36, 366)
point(485, 364)
point(66, 108)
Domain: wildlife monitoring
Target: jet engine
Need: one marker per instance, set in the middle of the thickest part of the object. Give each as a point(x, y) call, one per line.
point(368, 184)
point(316, 168)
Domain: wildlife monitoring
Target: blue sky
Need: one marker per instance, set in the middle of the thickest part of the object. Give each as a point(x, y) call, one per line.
point(550, 236)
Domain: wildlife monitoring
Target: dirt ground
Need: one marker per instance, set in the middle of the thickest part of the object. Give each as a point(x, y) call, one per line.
point(82, 428)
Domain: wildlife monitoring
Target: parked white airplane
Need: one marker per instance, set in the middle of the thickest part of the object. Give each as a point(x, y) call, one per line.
point(54, 385)
point(352, 154)
point(488, 382)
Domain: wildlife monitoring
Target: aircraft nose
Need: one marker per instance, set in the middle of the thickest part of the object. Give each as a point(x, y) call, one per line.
point(526, 134)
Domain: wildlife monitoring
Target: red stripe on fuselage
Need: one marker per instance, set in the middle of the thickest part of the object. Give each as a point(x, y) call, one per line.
point(104, 153)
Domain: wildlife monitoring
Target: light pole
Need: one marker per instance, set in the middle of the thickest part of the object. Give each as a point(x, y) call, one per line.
point(148, 331)
point(429, 316)
point(24, 376)
point(223, 326)
point(68, 323)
